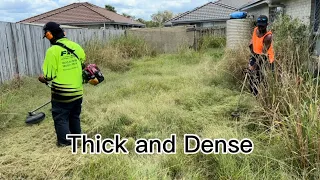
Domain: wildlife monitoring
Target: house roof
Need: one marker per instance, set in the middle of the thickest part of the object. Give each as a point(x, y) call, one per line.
point(235, 3)
point(81, 13)
point(254, 3)
point(251, 4)
point(210, 11)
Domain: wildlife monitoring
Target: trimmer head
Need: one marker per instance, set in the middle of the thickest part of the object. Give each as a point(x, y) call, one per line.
point(235, 114)
point(35, 118)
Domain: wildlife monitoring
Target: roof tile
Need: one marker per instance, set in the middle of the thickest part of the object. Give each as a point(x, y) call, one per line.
point(80, 13)
point(211, 10)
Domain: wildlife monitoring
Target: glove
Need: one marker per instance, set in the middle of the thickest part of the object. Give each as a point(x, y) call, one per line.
point(42, 79)
point(251, 68)
point(252, 61)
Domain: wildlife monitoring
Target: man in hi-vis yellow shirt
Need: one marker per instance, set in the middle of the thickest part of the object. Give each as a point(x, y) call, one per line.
point(63, 66)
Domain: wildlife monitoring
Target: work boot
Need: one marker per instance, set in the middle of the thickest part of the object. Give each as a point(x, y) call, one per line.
point(62, 144)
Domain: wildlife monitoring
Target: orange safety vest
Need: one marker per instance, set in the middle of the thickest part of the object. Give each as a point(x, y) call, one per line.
point(258, 45)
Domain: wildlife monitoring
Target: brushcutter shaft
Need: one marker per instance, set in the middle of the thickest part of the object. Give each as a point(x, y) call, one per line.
point(243, 84)
point(40, 107)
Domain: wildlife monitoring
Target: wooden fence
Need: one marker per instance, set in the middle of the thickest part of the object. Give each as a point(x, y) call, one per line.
point(200, 32)
point(22, 48)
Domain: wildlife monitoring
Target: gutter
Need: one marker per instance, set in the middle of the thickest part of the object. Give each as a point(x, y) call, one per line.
point(270, 3)
point(249, 6)
point(104, 23)
point(198, 21)
point(41, 25)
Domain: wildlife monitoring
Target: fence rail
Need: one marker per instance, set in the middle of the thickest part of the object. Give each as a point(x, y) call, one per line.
point(22, 48)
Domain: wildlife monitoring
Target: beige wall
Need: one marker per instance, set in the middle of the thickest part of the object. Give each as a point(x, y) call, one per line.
point(205, 24)
point(298, 9)
point(214, 24)
point(221, 24)
point(295, 8)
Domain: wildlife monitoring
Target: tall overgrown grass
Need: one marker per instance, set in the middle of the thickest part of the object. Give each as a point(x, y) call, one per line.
point(117, 53)
point(211, 41)
point(187, 92)
point(288, 96)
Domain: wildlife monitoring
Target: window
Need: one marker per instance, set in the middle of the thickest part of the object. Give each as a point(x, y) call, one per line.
point(317, 15)
point(274, 12)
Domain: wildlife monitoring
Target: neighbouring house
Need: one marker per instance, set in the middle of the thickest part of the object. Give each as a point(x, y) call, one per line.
point(209, 15)
point(308, 11)
point(85, 15)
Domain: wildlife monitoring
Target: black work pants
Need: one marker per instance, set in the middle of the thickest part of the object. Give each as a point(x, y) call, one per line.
point(256, 76)
point(66, 118)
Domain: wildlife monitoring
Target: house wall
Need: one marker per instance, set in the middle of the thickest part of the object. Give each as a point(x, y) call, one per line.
point(221, 24)
point(259, 10)
point(208, 24)
point(213, 24)
point(204, 24)
point(298, 9)
point(295, 8)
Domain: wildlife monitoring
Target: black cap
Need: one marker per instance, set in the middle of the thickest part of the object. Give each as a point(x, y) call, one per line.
point(262, 20)
point(53, 27)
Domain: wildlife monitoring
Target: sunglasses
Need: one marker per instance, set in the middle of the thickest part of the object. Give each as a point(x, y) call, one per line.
point(262, 20)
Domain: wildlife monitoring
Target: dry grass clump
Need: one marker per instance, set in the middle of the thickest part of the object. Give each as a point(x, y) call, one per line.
point(118, 53)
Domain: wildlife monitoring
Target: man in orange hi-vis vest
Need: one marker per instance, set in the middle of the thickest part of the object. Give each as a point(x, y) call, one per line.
point(262, 51)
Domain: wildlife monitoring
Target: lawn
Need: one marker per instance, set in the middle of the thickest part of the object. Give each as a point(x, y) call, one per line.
point(183, 93)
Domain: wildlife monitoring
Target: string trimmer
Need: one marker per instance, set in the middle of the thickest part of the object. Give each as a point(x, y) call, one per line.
point(35, 118)
point(236, 113)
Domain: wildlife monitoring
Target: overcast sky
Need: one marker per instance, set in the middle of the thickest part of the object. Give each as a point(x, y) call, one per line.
point(16, 10)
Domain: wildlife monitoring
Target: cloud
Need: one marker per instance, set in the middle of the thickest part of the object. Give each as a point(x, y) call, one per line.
point(14, 5)
point(144, 9)
point(16, 10)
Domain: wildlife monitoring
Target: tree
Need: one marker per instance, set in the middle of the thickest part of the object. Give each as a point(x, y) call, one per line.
point(141, 20)
point(148, 24)
point(110, 8)
point(151, 24)
point(162, 16)
point(128, 16)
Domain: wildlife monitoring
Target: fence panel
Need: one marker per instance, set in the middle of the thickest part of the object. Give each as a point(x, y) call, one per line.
point(22, 48)
point(200, 32)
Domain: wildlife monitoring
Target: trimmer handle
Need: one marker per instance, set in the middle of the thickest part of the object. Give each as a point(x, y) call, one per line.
point(48, 84)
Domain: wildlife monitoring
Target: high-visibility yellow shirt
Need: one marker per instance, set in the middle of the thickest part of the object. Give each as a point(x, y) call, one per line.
point(64, 69)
